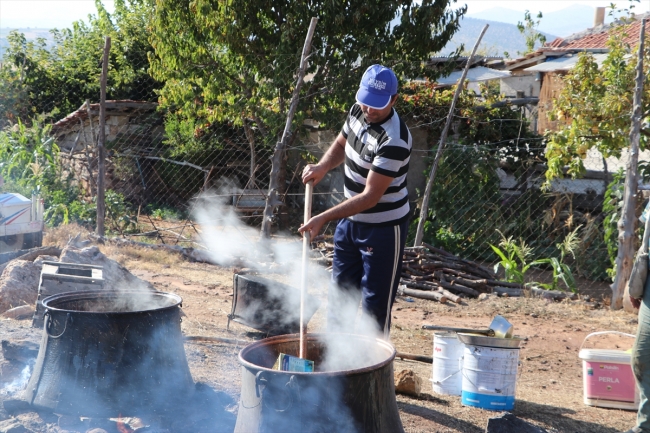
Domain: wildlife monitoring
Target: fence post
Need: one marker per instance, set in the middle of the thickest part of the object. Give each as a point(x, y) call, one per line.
point(627, 223)
point(272, 200)
point(101, 169)
point(424, 208)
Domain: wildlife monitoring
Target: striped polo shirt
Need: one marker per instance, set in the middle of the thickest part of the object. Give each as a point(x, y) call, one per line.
point(384, 148)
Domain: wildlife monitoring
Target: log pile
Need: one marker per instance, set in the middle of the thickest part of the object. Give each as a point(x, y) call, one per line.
point(442, 276)
point(435, 274)
point(439, 275)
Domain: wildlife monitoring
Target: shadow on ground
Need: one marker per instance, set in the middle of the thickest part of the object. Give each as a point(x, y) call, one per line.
point(555, 417)
point(439, 417)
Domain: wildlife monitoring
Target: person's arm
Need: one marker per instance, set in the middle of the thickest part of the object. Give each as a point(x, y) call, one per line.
point(334, 156)
point(376, 186)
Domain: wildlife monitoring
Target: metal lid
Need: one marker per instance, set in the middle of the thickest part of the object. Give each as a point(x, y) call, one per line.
point(482, 340)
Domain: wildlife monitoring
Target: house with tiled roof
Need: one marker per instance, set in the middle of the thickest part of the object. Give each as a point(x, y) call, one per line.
point(539, 73)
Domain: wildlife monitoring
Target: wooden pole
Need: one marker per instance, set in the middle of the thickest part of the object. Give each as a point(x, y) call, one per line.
point(101, 154)
point(424, 209)
point(627, 223)
point(306, 241)
point(272, 201)
point(90, 122)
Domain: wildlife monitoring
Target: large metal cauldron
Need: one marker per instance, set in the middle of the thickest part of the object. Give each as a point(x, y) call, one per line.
point(107, 354)
point(350, 401)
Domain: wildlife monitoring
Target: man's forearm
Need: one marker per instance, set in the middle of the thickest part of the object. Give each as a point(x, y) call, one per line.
point(349, 207)
point(375, 187)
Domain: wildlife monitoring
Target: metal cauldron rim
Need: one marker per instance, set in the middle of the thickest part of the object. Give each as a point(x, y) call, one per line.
point(292, 337)
point(94, 294)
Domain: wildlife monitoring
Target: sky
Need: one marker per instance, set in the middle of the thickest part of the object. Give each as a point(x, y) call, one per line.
point(46, 13)
point(61, 13)
point(545, 6)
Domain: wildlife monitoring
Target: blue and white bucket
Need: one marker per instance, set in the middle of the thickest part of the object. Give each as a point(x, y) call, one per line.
point(489, 377)
point(447, 377)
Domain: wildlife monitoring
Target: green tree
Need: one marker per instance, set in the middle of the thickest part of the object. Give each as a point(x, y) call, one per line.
point(484, 140)
point(529, 29)
point(235, 61)
point(594, 108)
point(42, 79)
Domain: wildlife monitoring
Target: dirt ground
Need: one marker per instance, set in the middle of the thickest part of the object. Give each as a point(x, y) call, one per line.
point(549, 387)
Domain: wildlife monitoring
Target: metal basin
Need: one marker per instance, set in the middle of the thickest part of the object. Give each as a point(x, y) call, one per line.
point(361, 399)
point(106, 354)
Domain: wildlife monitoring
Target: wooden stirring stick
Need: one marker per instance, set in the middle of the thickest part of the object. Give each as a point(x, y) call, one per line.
point(306, 241)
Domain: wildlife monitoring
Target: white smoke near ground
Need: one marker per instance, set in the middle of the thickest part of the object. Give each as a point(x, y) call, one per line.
point(230, 242)
point(19, 383)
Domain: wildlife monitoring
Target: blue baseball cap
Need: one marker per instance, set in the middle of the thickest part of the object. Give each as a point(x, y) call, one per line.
point(378, 84)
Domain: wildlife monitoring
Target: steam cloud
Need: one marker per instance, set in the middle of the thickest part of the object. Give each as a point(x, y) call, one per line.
point(229, 242)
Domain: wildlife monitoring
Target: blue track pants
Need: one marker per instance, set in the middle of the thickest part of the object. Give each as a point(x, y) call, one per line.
point(366, 267)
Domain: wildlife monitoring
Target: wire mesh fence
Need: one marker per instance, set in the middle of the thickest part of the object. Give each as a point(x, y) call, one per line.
point(488, 187)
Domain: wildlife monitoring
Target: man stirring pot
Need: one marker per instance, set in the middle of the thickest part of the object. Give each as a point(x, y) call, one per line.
point(375, 145)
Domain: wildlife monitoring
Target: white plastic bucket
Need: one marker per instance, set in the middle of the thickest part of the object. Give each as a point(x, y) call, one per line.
point(489, 377)
point(447, 364)
point(608, 380)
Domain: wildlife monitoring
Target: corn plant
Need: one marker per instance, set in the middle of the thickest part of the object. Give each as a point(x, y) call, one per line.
point(562, 271)
point(514, 258)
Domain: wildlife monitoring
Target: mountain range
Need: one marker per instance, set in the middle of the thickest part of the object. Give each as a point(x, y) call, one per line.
point(499, 39)
point(30, 34)
point(502, 35)
point(572, 19)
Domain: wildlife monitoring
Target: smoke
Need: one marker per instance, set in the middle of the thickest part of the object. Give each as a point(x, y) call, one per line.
point(19, 383)
point(123, 301)
point(325, 402)
point(232, 243)
point(229, 241)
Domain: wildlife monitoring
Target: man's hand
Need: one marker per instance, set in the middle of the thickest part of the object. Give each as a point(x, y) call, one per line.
point(636, 303)
point(314, 225)
point(314, 172)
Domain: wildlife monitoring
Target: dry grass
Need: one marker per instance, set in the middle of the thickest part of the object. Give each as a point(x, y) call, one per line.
point(60, 235)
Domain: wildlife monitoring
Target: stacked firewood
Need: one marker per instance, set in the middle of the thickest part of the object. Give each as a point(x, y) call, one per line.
point(433, 273)
point(444, 275)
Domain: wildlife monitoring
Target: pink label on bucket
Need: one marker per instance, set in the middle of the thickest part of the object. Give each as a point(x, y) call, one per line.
point(608, 381)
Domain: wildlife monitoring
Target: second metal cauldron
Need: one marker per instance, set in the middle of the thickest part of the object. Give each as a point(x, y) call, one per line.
point(107, 354)
point(349, 401)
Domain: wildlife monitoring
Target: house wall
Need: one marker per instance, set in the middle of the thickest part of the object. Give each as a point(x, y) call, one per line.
point(79, 135)
point(523, 83)
point(552, 85)
point(125, 131)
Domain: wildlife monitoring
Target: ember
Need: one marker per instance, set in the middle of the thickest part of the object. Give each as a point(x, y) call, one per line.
point(123, 428)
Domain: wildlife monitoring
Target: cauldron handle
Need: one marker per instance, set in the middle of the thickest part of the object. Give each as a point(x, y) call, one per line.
point(47, 325)
point(260, 381)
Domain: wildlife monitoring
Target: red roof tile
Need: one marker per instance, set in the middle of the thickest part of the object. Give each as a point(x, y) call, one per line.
point(597, 37)
point(555, 43)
